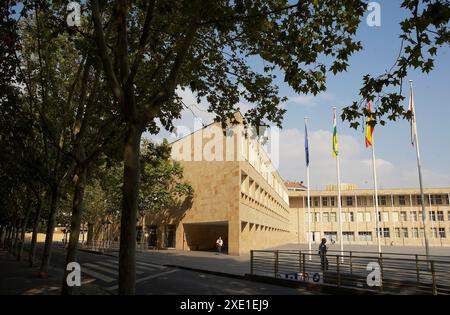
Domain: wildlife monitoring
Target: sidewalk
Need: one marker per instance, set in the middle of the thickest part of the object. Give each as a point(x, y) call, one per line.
point(19, 279)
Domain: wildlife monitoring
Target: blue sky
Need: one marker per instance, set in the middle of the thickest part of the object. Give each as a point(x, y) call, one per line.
point(396, 157)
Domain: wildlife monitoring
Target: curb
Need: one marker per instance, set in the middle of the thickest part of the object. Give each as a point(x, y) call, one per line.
point(215, 273)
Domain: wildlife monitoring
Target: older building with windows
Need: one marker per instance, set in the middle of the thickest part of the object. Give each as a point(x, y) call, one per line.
point(238, 195)
point(400, 215)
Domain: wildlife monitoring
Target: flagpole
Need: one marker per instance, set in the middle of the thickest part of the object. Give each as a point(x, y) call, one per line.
point(419, 167)
point(341, 241)
point(377, 211)
point(308, 193)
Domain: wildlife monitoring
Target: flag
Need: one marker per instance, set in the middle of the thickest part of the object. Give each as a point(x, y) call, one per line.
point(369, 127)
point(413, 117)
point(306, 146)
point(335, 140)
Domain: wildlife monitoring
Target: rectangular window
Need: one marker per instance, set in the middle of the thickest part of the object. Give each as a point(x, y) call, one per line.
point(351, 218)
point(403, 216)
point(397, 232)
point(316, 216)
point(434, 232)
point(325, 201)
point(365, 236)
point(382, 200)
point(344, 217)
point(362, 201)
point(436, 199)
point(316, 202)
point(440, 215)
point(386, 232)
point(432, 215)
point(415, 232)
point(386, 217)
point(326, 217)
point(348, 236)
point(413, 215)
point(418, 200)
point(349, 201)
point(441, 232)
point(401, 200)
point(405, 232)
point(333, 217)
point(360, 216)
point(333, 201)
point(447, 201)
point(421, 233)
point(395, 216)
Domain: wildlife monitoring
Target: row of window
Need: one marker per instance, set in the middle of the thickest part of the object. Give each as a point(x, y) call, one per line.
point(402, 216)
point(401, 200)
point(386, 233)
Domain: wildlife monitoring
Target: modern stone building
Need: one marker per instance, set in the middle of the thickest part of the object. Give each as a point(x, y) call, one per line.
point(238, 195)
point(400, 215)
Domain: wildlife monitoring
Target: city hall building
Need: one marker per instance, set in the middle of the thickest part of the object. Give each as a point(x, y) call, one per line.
point(399, 215)
point(240, 197)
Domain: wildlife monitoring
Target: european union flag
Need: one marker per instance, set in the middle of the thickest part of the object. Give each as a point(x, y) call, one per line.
point(306, 146)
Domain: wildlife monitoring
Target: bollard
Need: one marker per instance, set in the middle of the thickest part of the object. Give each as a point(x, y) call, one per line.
point(433, 277)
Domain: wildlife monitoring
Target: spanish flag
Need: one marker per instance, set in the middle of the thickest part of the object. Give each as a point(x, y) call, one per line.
point(369, 127)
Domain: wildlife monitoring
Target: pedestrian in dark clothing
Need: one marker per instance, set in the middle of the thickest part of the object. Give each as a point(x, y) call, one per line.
point(323, 254)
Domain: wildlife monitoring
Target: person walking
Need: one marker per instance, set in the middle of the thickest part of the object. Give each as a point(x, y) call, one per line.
point(219, 244)
point(323, 254)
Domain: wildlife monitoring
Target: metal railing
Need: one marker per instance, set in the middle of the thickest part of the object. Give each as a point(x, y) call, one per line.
point(398, 275)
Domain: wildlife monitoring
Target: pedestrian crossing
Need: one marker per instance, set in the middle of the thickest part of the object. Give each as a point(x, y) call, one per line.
point(108, 270)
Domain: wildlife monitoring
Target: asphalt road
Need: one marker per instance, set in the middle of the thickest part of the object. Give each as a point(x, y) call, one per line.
point(154, 279)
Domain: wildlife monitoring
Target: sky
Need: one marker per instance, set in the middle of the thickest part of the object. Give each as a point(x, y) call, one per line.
point(395, 156)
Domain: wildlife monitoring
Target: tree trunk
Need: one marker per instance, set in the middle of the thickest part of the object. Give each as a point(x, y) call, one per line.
point(1, 235)
point(22, 236)
point(77, 210)
point(7, 237)
point(127, 253)
point(37, 217)
point(90, 235)
point(49, 235)
point(16, 237)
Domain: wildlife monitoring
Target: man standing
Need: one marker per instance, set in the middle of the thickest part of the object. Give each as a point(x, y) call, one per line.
point(323, 253)
point(219, 244)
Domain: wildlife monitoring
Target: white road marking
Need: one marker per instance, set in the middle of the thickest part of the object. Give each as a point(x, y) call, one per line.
point(141, 264)
point(114, 287)
point(114, 266)
point(101, 268)
point(97, 275)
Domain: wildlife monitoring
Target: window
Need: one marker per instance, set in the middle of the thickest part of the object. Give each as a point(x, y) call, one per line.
point(326, 217)
point(447, 201)
point(360, 216)
point(333, 217)
point(382, 200)
point(365, 236)
point(343, 217)
point(351, 218)
point(395, 216)
point(368, 216)
point(440, 215)
point(348, 236)
point(413, 215)
point(434, 232)
point(403, 216)
point(436, 199)
point(432, 215)
point(349, 201)
point(333, 201)
point(397, 232)
point(418, 199)
point(421, 232)
point(316, 216)
point(401, 200)
point(330, 236)
point(448, 215)
point(441, 232)
point(415, 232)
point(362, 201)
point(325, 201)
point(405, 232)
point(386, 232)
point(316, 201)
point(386, 217)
